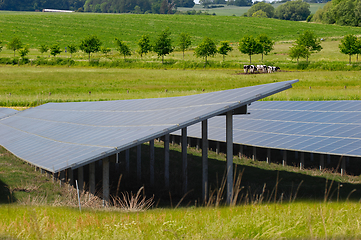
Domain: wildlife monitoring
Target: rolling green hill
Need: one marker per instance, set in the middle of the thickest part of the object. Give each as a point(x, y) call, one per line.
point(48, 28)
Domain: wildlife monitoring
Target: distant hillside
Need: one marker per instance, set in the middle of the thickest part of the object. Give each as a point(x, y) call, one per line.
point(48, 28)
point(229, 10)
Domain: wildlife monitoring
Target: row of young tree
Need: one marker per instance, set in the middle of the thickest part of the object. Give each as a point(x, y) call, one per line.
point(162, 46)
point(306, 44)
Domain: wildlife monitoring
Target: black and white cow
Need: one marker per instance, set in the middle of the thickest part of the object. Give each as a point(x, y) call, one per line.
point(252, 68)
point(262, 68)
point(246, 68)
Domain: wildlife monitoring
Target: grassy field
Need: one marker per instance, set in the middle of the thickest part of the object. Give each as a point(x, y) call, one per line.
point(48, 28)
point(29, 86)
point(271, 221)
point(231, 10)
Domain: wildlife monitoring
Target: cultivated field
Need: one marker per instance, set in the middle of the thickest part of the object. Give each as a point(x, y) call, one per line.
point(48, 28)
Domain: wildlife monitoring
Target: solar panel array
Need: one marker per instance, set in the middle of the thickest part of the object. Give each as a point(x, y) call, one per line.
point(326, 127)
point(4, 112)
point(56, 136)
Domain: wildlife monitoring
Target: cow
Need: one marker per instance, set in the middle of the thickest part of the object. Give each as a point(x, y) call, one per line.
point(262, 68)
point(269, 69)
point(272, 69)
point(246, 68)
point(252, 68)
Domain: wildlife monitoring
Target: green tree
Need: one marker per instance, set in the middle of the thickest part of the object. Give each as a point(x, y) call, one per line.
point(55, 49)
point(293, 10)
point(205, 49)
point(310, 41)
point(43, 49)
point(240, 2)
point(224, 48)
point(205, 3)
point(24, 51)
point(260, 14)
point(15, 44)
point(266, 44)
point(184, 42)
point(144, 45)
point(72, 48)
point(163, 44)
point(298, 51)
point(105, 50)
point(90, 44)
point(350, 45)
point(123, 48)
point(250, 46)
point(265, 7)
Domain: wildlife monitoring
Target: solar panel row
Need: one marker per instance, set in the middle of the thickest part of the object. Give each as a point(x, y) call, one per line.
point(326, 127)
point(56, 136)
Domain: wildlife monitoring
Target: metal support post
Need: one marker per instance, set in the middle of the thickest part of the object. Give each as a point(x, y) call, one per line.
point(268, 156)
point(205, 160)
point(184, 160)
point(92, 179)
point(343, 166)
point(254, 155)
point(139, 163)
point(127, 165)
point(151, 160)
point(217, 147)
point(81, 178)
point(166, 161)
point(70, 179)
point(105, 181)
point(240, 153)
point(322, 162)
point(302, 161)
point(284, 160)
point(229, 141)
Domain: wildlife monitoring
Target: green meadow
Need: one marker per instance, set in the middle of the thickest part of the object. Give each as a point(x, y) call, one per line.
point(31, 86)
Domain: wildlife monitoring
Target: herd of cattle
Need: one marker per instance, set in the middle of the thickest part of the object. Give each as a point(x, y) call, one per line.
point(259, 69)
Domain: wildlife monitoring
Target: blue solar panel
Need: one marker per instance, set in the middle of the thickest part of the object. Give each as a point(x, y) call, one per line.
point(56, 136)
point(328, 127)
point(5, 112)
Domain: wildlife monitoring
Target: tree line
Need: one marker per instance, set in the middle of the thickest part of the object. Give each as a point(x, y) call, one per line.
point(101, 6)
point(292, 10)
point(341, 12)
point(306, 44)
